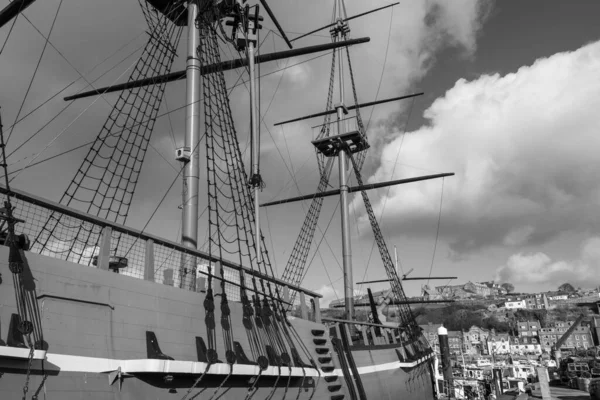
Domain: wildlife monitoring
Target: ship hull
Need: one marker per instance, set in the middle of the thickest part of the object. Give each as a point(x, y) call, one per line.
point(384, 377)
point(95, 324)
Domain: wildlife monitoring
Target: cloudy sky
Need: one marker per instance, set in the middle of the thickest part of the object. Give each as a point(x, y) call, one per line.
point(510, 106)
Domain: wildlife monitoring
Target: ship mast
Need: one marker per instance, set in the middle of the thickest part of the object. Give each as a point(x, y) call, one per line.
point(255, 179)
point(191, 172)
point(340, 29)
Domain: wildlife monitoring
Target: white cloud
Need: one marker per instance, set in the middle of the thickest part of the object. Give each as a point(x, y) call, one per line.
point(539, 268)
point(524, 150)
point(329, 294)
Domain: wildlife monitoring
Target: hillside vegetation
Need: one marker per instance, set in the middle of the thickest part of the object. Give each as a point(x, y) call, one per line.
point(459, 316)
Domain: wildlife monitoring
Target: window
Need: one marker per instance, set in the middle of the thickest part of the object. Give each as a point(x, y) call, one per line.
point(533, 341)
point(577, 337)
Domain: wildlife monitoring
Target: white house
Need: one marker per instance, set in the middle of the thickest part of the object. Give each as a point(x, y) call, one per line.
point(559, 297)
point(515, 305)
point(525, 345)
point(499, 344)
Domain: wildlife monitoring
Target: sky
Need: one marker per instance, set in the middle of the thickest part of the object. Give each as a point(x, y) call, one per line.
point(510, 104)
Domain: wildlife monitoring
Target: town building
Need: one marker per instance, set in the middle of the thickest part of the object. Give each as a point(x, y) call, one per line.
point(455, 338)
point(498, 343)
point(496, 288)
point(475, 340)
point(580, 338)
point(455, 341)
point(430, 294)
point(528, 328)
point(362, 300)
point(558, 296)
point(537, 301)
point(469, 289)
point(525, 345)
point(514, 304)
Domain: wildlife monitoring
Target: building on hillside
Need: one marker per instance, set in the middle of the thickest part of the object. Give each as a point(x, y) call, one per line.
point(531, 302)
point(475, 340)
point(455, 341)
point(430, 294)
point(580, 338)
point(537, 301)
point(528, 328)
point(430, 332)
point(514, 304)
point(468, 290)
point(496, 288)
point(558, 296)
point(498, 343)
point(361, 300)
point(525, 345)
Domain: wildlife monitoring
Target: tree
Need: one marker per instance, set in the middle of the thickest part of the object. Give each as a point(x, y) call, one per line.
point(542, 316)
point(509, 287)
point(566, 287)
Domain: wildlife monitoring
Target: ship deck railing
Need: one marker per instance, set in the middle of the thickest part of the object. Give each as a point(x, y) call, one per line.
point(66, 233)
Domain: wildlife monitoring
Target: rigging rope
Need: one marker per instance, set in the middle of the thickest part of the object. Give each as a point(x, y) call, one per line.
point(232, 225)
point(404, 312)
point(437, 233)
point(36, 68)
point(28, 313)
point(295, 268)
point(106, 180)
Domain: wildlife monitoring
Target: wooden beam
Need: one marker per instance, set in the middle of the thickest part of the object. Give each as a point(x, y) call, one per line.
point(149, 261)
point(359, 188)
point(317, 310)
point(104, 252)
point(13, 9)
point(424, 278)
point(345, 19)
point(59, 208)
point(223, 66)
point(415, 278)
point(303, 308)
point(371, 103)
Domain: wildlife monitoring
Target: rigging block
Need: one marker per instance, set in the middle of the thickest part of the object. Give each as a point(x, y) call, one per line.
point(330, 146)
point(183, 154)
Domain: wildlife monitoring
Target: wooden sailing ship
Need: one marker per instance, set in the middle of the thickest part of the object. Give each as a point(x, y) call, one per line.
point(98, 310)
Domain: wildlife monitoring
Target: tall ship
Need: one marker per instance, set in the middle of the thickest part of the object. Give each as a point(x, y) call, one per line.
point(91, 308)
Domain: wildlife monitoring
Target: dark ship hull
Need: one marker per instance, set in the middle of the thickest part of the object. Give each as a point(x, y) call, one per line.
point(95, 324)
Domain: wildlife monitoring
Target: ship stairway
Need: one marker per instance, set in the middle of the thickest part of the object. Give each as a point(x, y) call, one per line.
point(340, 339)
point(326, 364)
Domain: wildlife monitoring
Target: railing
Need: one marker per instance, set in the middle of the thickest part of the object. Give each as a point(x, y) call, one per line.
point(372, 334)
point(409, 348)
point(148, 257)
point(349, 124)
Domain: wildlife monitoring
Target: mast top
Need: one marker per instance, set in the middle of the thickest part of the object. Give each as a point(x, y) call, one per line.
point(352, 141)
